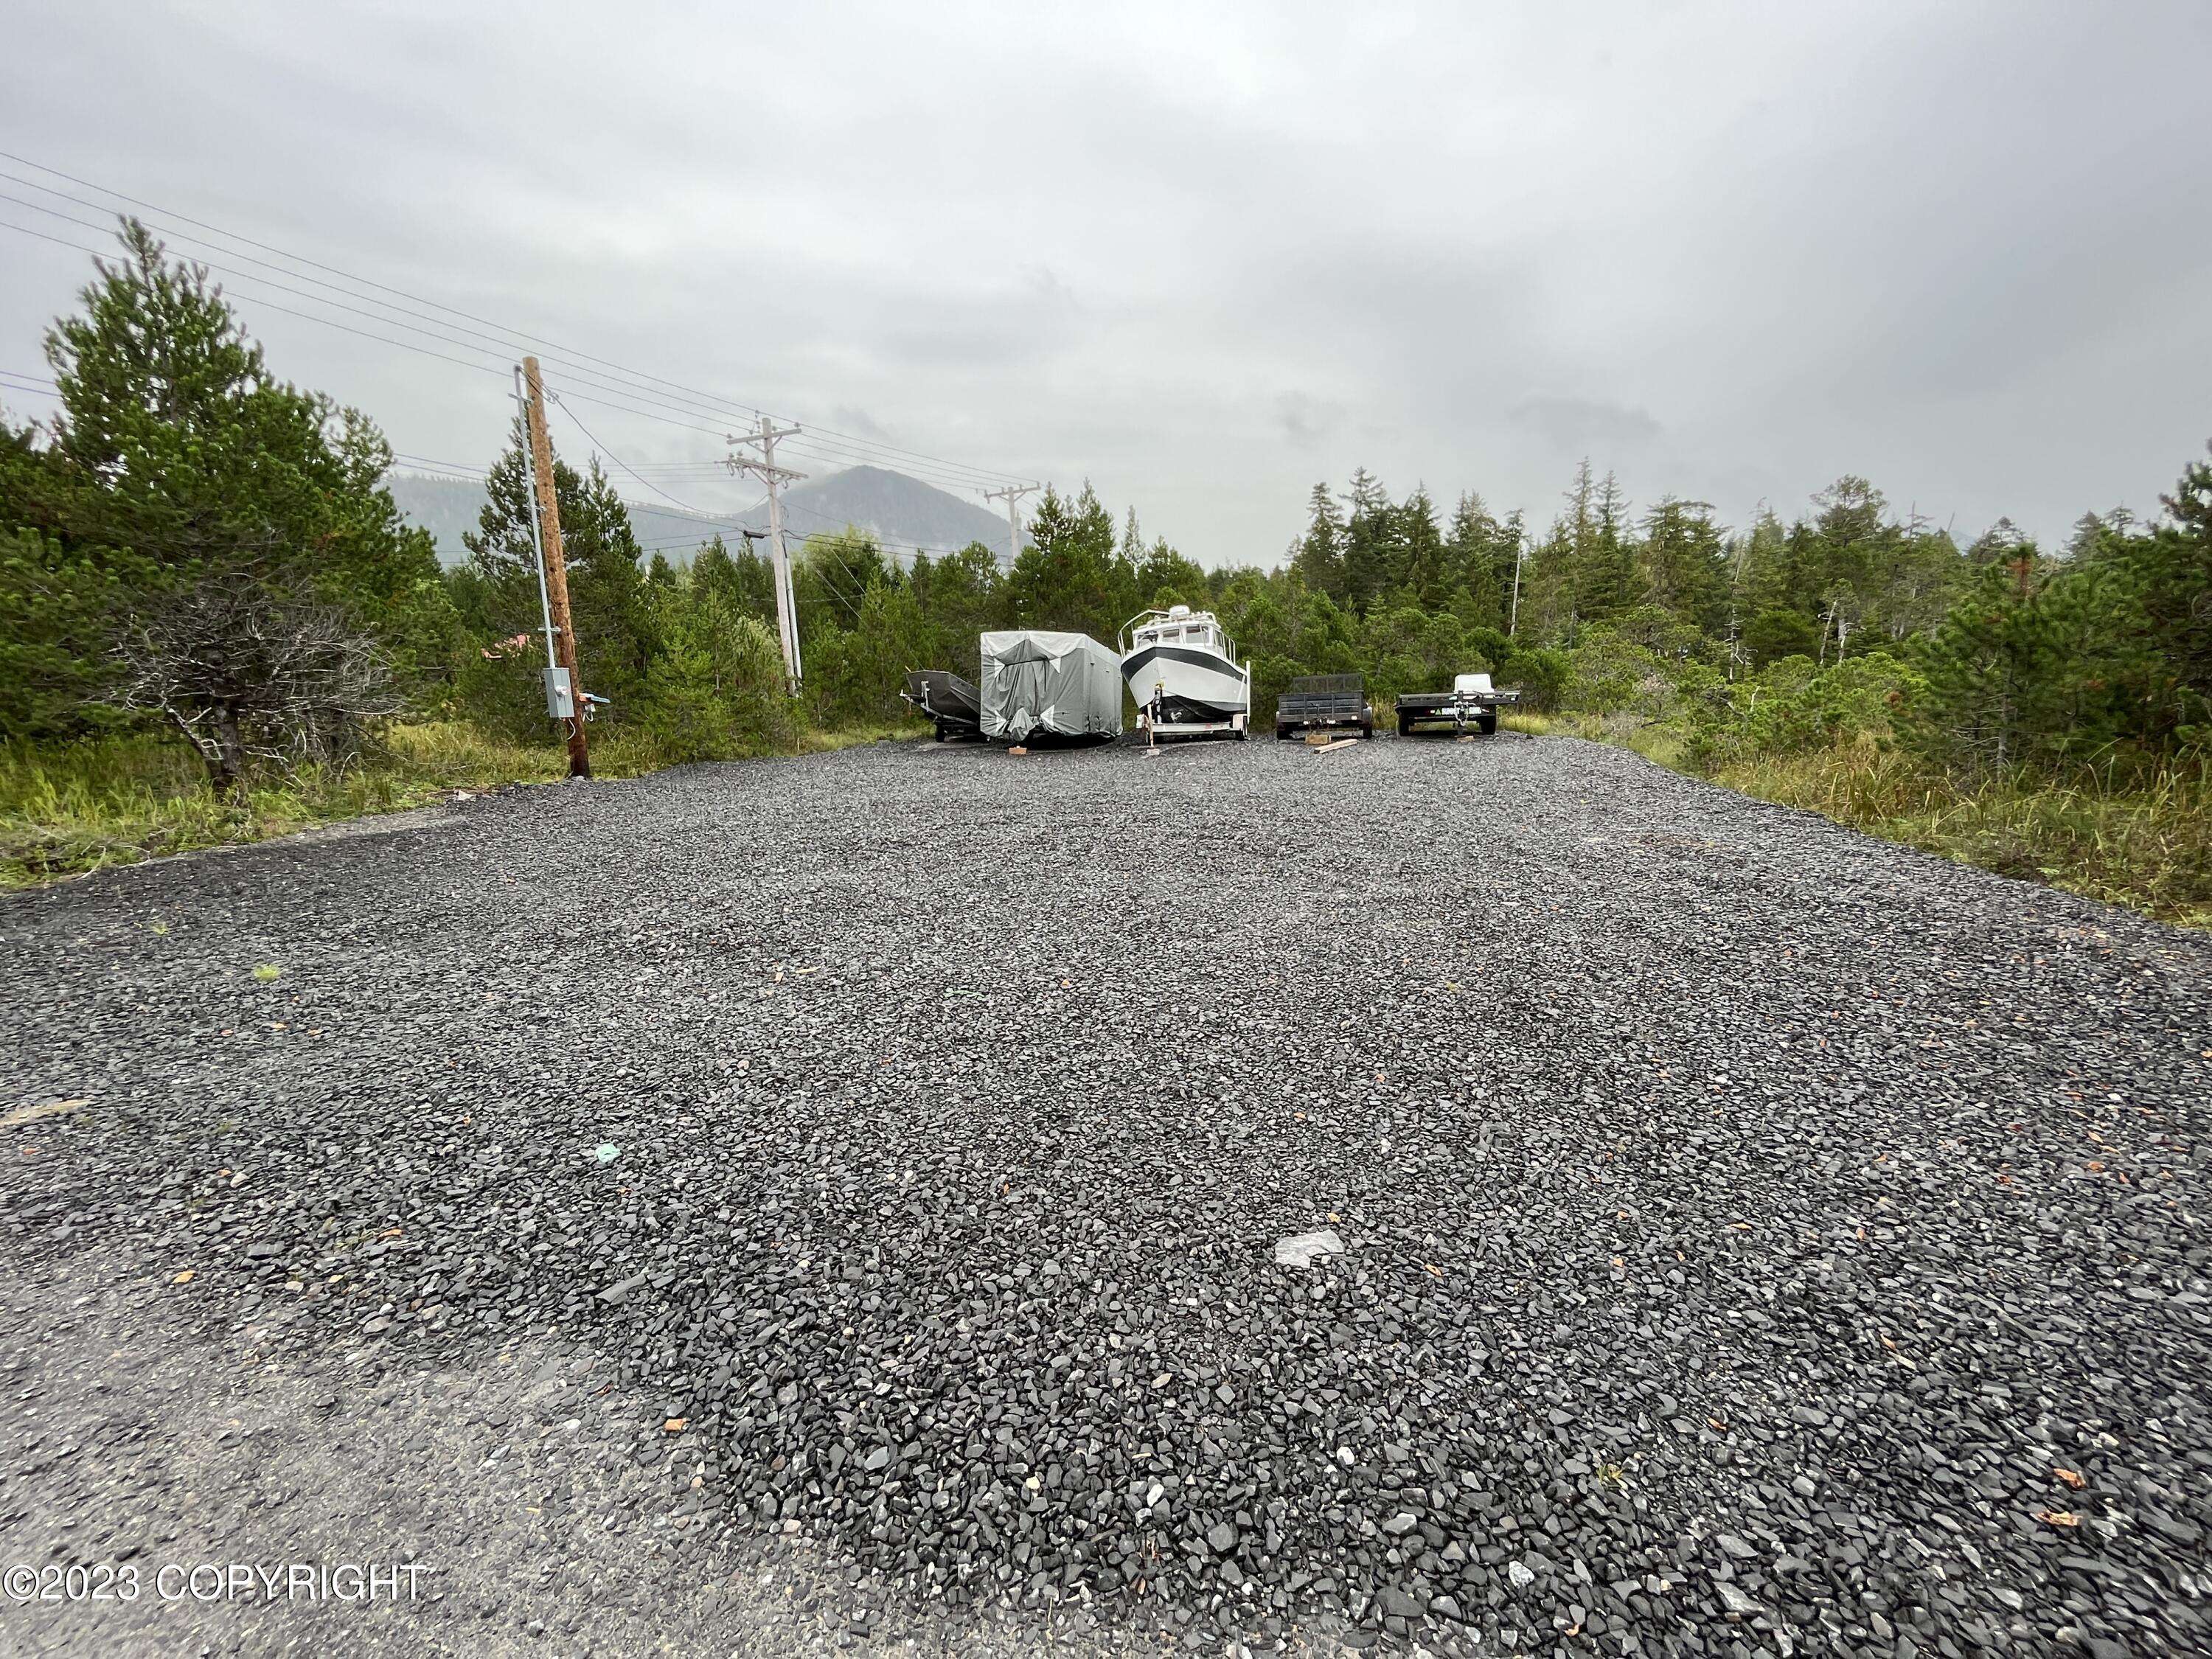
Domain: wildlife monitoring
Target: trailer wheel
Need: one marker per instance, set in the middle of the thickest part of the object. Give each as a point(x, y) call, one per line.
point(1487, 724)
point(1405, 726)
point(1368, 732)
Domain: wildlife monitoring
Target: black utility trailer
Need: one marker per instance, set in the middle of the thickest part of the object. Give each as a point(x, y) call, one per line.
point(1325, 702)
point(947, 701)
point(1471, 702)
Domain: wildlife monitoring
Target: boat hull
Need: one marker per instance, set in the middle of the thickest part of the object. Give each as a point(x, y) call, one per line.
point(1192, 684)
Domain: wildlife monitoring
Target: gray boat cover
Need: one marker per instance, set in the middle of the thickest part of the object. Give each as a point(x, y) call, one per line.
point(1043, 684)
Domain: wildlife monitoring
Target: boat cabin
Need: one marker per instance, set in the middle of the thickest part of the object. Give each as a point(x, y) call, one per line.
point(1183, 626)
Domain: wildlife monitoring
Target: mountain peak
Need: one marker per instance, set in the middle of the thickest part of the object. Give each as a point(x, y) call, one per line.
point(900, 512)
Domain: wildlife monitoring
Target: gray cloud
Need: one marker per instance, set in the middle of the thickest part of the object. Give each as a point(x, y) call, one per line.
point(1730, 252)
point(1582, 426)
point(1305, 420)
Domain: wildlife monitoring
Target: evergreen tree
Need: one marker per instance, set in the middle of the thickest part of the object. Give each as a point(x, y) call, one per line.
point(1925, 575)
point(741, 581)
point(2155, 586)
point(1133, 544)
point(1422, 569)
point(1165, 577)
point(1605, 566)
point(1471, 563)
point(1547, 587)
point(714, 686)
point(1683, 563)
point(1762, 578)
point(1070, 575)
point(1995, 545)
point(259, 591)
point(2173, 597)
point(1846, 547)
point(56, 595)
point(1777, 633)
point(961, 596)
point(607, 599)
point(1371, 542)
point(2000, 689)
point(1318, 559)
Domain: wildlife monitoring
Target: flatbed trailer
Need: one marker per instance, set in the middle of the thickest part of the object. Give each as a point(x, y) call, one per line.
point(1472, 704)
point(1324, 702)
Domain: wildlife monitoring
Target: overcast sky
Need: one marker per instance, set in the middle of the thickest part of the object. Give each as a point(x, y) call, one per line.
point(1206, 255)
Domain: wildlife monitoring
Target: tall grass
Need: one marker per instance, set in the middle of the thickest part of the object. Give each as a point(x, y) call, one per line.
point(2141, 838)
point(69, 808)
point(1655, 740)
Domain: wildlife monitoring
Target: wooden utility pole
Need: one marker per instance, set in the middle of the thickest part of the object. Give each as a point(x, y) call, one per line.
point(557, 568)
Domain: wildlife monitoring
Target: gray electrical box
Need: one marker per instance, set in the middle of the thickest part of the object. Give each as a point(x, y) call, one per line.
point(560, 700)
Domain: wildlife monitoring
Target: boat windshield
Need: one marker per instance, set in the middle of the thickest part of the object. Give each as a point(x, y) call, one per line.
point(1162, 632)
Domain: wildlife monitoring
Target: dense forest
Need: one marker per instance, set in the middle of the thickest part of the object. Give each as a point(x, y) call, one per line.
point(192, 547)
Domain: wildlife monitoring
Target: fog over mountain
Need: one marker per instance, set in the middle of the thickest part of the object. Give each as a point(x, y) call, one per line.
point(902, 512)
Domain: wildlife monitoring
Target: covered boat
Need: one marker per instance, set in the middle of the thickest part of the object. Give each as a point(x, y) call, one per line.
point(1042, 687)
point(1182, 669)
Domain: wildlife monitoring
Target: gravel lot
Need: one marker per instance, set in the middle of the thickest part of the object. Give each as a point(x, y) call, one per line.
point(1758, 1238)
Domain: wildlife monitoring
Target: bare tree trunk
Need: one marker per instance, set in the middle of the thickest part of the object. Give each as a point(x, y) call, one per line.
point(228, 759)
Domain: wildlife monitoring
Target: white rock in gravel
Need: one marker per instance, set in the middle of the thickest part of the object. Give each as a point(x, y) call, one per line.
point(1304, 1249)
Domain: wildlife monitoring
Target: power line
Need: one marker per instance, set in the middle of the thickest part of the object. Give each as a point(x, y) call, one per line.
point(641, 393)
point(450, 466)
point(853, 442)
point(404, 345)
point(593, 439)
point(301, 258)
point(446, 475)
point(834, 452)
point(852, 451)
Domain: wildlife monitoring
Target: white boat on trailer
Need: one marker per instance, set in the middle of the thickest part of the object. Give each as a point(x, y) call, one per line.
point(1181, 671)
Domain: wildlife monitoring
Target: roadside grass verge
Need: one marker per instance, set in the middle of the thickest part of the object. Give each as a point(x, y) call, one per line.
point(2143, 841)
point(1655, 740)
point(67, 808)
point(2139, 839)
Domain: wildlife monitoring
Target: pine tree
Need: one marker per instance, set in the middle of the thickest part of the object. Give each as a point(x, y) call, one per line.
point(1761, 578)
point(1849, 546)
point(263, 596)
point(1472, 560)
point(1604, 566)
point(1547, 587)
point(607, 600)
point(1997, 674)
point(1995, 545)
point(1683, 563)
point(1070, 576)
point(1371, 542)
point(2155, 585)
point(1421, 568)
point(1318, 558)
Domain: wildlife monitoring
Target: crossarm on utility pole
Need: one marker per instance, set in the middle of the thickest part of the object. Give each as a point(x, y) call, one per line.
point(1009, 494)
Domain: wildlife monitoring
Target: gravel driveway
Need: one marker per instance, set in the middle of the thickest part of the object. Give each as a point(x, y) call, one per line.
point(832, 1203)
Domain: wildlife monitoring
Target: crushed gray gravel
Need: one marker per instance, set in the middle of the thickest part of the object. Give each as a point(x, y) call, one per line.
point(1755, 1237)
